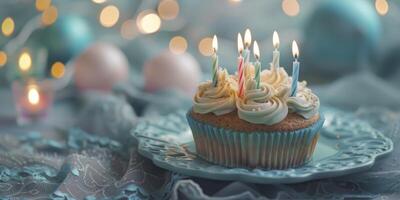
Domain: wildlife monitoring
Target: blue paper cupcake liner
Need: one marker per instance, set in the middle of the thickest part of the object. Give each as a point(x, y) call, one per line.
point(268, 150)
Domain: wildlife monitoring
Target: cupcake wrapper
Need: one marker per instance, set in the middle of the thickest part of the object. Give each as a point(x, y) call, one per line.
point(272, 150)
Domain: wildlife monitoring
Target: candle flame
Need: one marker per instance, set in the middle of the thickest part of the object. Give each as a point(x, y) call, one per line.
point(240, 43)
point(295, 49)
point(247, 38)
point(215, 43)
point(256, 50)
point(275, 40)
point(33, 96)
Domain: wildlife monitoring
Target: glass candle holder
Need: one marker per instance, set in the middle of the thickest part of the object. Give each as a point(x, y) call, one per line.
point(33, 99)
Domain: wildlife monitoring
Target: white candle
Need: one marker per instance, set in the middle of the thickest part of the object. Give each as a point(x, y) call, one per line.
point(215, 61)
point(296, 68)
point(275, 53)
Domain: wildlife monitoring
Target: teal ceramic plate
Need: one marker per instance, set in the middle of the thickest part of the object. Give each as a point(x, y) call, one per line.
point(346, 145)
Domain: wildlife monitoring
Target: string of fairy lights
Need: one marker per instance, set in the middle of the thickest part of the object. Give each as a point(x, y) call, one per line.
point(146, 22)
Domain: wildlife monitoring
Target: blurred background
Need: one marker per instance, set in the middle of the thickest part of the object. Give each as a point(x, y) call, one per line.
point(77, 76)
point(349, 50)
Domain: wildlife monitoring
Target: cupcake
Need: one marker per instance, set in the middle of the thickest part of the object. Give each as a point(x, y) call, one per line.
point(265, 128)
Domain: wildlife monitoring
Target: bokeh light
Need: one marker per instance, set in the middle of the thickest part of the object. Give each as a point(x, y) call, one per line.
point(205, 46)
point(42, 5)
point(291, 7)
point(57, 70)
point(49, 16)
point(25, 61)
point(168, 9)
point(382, 7)
point(235, 1)
point(3, 58)
point(129, 30)
point(7, 27)
point(109, 16)
point(178, 45)
point(148, 22)
point(99, 1)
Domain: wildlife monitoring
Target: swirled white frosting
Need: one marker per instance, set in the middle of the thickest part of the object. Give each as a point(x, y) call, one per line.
point(218, 100)
point(275, 77)
point(305, 103)
point(265, 105)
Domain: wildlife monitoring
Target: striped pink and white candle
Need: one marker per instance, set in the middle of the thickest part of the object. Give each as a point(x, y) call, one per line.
point(240, 66)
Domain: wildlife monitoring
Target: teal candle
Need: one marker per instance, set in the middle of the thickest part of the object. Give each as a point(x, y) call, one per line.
point(295, 77)
point(246, 52)
point(246, 55)
point(215, 62)
point(295, 69)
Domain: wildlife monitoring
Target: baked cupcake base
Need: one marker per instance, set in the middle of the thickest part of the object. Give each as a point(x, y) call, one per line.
point(229, 141)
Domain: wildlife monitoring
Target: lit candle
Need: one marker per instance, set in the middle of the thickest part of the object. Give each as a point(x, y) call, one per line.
point(246, 52)
point(32, 99)
point(295, 70)
point(215, 61)
point(33, 95)
point(275, 53)
point(240, 65)
point(257, 65)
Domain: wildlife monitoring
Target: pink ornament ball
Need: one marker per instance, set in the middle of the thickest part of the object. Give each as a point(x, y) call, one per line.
point(172, 71)
point(100, 67)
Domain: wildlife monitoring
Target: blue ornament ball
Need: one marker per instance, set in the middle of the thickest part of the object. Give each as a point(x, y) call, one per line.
point(340, 35)
point(66, 38)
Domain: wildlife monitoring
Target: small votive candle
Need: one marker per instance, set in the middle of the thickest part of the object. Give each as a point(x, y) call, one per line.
point(32, 100)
